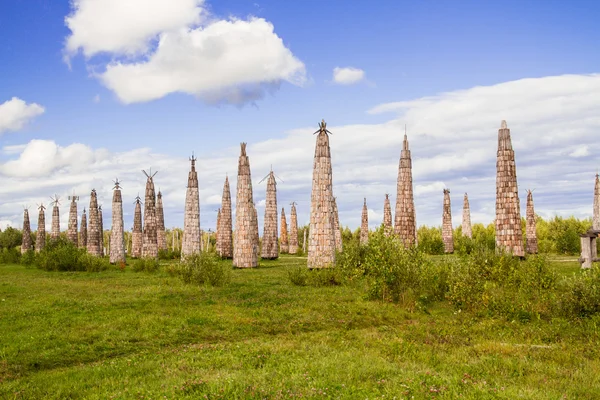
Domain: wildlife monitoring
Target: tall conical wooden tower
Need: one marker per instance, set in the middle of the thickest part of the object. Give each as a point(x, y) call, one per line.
point(596, 213)
point(101, 227)
point(40, 241)
point(270, 247)
point(293, 249)
point(530, 226)
point(117, 234)
point(255, 238)
point(93, 236)
point(245, 251)
point(191, 243)
point(405, 224)
point(136, 234)
point(72, 226)
point(226, 224)
point(447, 237)
point(466, 218)
point(283, 238)
point(509, 235)
point(27, 243)
point(321, 241)
point(337, 230)
point(387, 216)
point(55, 231)
point(149, 237)
point(364, 224)
point(161, 236)
point(83, 231)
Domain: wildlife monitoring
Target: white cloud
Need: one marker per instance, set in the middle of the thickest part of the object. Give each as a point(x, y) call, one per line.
point(580, 151)
point(348, 75)
point(454, 149)
point(125, 27)
point(232, 61)
point(15, 114)
point(161, 47)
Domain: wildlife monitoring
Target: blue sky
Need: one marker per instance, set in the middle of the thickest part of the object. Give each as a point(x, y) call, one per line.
point(408, 51)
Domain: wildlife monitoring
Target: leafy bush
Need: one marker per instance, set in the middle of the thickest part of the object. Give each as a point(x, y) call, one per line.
point(28, 258)
point(92, 263)
point(169, 254)
point(581, 294)
point(202, 269)
point(145, 265)
point(59, 255)
point(298, 275)
point(10, 255)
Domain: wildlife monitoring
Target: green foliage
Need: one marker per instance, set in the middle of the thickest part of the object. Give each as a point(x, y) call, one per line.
point(581, 296)
point(10, 238)
point(147, 264)
point(169, 254)
point(205, 268)
point(429, 240)
point(10, 255)
point(28, 258)
point(62, 255)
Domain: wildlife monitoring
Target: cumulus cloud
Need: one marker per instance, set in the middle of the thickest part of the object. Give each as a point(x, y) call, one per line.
point(16, 113)
point(455, 149)
point(347, 75)
point(175, 47)
point(580, 151)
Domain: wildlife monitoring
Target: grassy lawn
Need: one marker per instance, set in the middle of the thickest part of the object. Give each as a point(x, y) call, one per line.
point(137, 335)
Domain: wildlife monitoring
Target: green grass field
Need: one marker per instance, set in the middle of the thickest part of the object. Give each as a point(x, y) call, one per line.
point(136, 335)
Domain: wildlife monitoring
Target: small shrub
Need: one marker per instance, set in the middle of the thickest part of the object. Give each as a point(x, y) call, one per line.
point(60, 255)
point(92, 263)
point(581, 295)
point(298, 275)
point(28, 258)
point(11, 255)
point(145, 265)
point(202, 269)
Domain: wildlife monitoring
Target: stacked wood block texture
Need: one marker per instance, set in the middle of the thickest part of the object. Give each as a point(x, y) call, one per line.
point(270, 247)
point(530, 226)
point(101, 225)
point(255, 238)
point(40, 241)
point(93, 236)
point(466, 218)
point(55, 230)
point(149, 237)
point(245, 250)
point(405, 220)
point(284, 244)
point(83, 231)
point(117, 234)
point(72, 226)
point(364, 224)
point(321, 241)
point(226, 224)
point(218, 227)
point(293, 249)
point(191, 220)
point(136, 234)
point(337, 230)
point(447, 224)
point(161, 235)
point(387, 216)
point(509, 235)
point(27, 243)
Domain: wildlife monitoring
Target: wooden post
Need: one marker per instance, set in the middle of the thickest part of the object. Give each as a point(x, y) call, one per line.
point(586, 252)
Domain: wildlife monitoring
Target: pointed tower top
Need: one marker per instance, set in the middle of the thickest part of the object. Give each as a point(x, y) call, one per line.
point(446, 191)
point(159, 194)
point(365, 203)
point(387, 196)
point(243, 149)
point(503, 125)
point(193, 161)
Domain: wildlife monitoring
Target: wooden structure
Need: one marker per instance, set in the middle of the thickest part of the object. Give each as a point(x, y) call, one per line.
point(293, 239)
point(192, 241)
point(364, 224)
point(225, 231)
point(270, 247)
point(117, 234)
point(101, 228)
point(72, 226)
point(83, 231)
point(27, 243)
point(387, 216)
point(530, 226)
point(589, 249)
point(466, 218)
point(284, 244)
point(321, 241)
point(337, 229)
point(509, 234)
point(245, 249)
point(447, 234)
point(161, 236)
point(405, 224)
point(93, 236)
point(149, 237)
point(55, 229)
point(40, 240)
point(136, 234)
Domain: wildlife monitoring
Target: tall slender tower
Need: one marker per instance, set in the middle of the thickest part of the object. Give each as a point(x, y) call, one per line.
point(283, 238)
point(117, 236)
point(293, 249)
point(245, 251)
point(405, 223)
point(596, 213)
point(447, 224)
point(387, 216)
point(191, 220)
point(101, 228)
point(364, 224)
point(321, 247)
point(93, 236)
point(161, 236)
point(72, 227)
point(26, 244)
point(218, 227)
point(509, 235)
point(530, 225)
point(255, 238)
point(55, 232)
point(149, 237)
point(83, 231)
point(466, 218)
point(337, 230)
point(136, 234)
point(40, 241)
point(226, 224)
point(270, 248)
